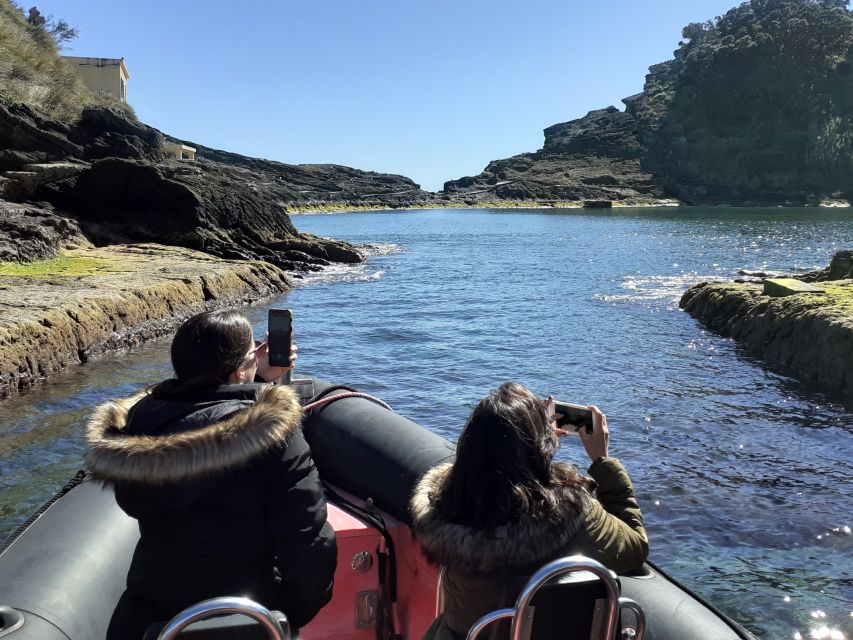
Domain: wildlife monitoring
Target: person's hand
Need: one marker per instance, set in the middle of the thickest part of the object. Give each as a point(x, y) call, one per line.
point(552, 416)
point(269, 372)
point(596, 442)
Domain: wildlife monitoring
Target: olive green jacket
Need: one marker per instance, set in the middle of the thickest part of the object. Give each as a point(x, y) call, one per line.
point(477, 565)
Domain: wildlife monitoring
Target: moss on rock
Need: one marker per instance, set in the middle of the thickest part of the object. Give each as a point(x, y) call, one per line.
point(65, 265)
point(806, 335)
point(112, 298)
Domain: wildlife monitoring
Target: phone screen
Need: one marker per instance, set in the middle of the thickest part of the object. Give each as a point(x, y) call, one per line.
point(280, 328)
point(573, 416)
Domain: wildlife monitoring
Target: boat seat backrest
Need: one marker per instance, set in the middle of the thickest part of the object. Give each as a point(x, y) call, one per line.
point(573, 598)
point(576, 599)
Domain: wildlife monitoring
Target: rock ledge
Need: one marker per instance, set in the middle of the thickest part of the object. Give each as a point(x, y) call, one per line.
point(808, 335)
point(118, 297)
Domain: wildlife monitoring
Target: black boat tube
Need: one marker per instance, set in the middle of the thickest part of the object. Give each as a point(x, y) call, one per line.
point(371, 452)
point(64, 571)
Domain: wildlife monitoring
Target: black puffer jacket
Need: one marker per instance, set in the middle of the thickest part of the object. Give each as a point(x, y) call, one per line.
point(228, 501)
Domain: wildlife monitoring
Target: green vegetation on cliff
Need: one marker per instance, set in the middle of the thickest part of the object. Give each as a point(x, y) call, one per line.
point(32, 71)
point(757, 103)
point(65, 265)
point(755, 108)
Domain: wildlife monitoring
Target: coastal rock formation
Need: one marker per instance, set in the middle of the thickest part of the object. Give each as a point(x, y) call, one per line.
point(34, 232)
point(302, 186)
point(806, 335)
point(111, 299)
point(198, 205)
point(756, 107)
point(27, 136)
point(108, 172)
point(596, 157)
point(841, 268)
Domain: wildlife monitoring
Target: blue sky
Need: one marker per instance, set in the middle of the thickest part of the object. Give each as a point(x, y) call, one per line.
point(431, 89)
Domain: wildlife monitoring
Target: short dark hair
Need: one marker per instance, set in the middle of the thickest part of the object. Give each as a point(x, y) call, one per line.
point(207, 349)
point(504, 464)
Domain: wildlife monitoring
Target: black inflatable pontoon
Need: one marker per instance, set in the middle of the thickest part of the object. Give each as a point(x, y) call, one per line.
point(62, 573)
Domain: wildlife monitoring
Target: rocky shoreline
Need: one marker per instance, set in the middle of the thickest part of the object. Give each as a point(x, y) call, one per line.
point(482, 204)
point(93, 301)
point(803, 331)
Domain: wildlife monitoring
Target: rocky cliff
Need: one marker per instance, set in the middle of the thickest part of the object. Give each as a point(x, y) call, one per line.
point(108, 174)
point(597, 157)
point(756, 107)
point(808, 335)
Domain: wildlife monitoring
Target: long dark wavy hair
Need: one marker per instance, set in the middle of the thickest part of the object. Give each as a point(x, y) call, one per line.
point(504, 465)
point(206, 350)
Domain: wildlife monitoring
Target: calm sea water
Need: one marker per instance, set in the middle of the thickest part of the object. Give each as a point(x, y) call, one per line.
point(744, 476)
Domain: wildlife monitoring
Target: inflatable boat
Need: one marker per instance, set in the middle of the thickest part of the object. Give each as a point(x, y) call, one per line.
point(63, 571)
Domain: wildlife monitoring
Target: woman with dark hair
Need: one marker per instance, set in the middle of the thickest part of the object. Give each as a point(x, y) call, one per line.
point(216, 470)
point(504, 508)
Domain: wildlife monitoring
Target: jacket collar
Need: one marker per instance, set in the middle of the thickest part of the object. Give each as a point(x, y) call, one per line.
point(517, 544)
point(113, 455)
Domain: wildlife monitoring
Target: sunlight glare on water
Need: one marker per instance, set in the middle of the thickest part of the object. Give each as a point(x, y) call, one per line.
point(744, 476)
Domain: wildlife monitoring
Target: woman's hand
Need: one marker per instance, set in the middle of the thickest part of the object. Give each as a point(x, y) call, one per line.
point(269, 372)
point(596, 442)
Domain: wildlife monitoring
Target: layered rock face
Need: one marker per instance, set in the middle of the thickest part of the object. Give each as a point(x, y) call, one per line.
point(596, 157)
point(306, 185)
point(110, 175)
point(806, 335)
point(199, 205)
point(34, 232)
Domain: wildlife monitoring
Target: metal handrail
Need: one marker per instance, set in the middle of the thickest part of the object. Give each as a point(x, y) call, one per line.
point(556, 568)
point(489, 618)
point(640, 630)
point(226, 606)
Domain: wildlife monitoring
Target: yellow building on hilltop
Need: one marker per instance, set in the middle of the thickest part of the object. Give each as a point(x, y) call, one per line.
point(107, 75)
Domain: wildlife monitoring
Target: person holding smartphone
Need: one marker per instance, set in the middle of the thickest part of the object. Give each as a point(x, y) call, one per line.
point(504, 507)
point(216, 470)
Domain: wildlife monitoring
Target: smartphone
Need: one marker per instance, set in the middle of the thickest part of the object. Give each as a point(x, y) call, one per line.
point(573, 416)
point(280, 327)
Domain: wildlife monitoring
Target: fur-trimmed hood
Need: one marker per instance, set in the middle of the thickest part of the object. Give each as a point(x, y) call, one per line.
point(463, 548)
point(113, 455)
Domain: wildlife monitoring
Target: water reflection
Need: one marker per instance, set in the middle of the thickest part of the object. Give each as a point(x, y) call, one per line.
point(741, 471)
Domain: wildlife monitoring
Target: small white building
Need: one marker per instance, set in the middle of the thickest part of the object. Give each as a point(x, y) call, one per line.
point(178, 151)
point(107, 75)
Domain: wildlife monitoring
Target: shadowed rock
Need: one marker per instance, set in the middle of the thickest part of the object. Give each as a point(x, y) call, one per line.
point(840, 268)
point(34, 232)
point(596, 157)
point(109, 173)
point(198, 206)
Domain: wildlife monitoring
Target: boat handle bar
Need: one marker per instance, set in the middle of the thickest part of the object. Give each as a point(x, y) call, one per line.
point(226, 606)
point(640, 628)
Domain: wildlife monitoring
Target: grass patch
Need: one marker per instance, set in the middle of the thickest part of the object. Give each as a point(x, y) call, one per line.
point(32, 71)
point(63, 266)
point(840, 295)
